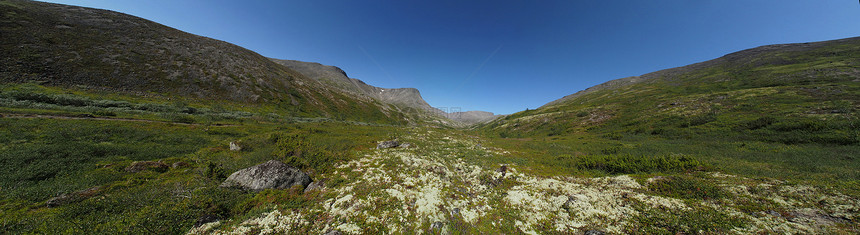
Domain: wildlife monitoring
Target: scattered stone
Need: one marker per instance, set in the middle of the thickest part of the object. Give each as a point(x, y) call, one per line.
point(568, 204)
point(205, 219)
point(436, 225)
point(316, 185)
point(235, 147)
point(773, 213)
point(333, 232)
point(387, 144)
point(180, 164)
point(139, 166)
point(73, 197)
point(594, 232)
point(455, 212)
point(271, 174)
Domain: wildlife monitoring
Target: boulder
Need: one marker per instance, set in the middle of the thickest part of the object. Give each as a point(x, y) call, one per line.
point(272, 174)
point(387, 144)
point(139, 166)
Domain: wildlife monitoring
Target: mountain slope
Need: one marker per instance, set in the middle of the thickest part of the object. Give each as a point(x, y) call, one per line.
point(68, 46)
point(335, 77)
point(409, 99)
point(473, 117)
point(790, 93)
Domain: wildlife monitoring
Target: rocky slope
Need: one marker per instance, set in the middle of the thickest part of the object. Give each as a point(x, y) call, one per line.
point(335, 77)
point(403, 97)
point(77, 47)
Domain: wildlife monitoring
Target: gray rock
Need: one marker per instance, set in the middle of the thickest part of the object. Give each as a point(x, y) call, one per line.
point(235, 147)
point(405, 145)
point(436, 225)
point(316, 185)
point(773, 213)
point(569, 203)
point(387, 144)
point(594, 232)
point(271, 174)
point(207, 218)
point(333, 232)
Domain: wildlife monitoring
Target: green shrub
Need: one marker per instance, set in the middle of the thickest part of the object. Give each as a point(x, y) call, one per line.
point(628, 164)
point(687, 187)
point(699, 220)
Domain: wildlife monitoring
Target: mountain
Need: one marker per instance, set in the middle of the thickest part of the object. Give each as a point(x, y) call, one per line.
point(77, 47)
point(401, 97)
point(789, 93)
point(472, 117)
point(335, 77)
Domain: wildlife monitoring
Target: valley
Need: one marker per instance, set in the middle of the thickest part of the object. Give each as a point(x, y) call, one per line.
point(103, 132)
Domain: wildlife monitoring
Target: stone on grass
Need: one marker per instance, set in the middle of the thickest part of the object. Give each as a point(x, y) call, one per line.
point(387, 144)
point(272, 174)
point(594, 232)
point(235, 147)
point(316, 185)
point(333, 232)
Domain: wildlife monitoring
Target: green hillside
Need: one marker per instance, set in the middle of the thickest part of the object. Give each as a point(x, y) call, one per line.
point(84, 49)
point(786, 111)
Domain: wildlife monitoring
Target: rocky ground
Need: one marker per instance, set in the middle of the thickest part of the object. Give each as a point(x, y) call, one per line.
point(439, 185)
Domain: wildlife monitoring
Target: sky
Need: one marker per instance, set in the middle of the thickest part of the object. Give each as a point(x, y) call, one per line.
point(499, 56)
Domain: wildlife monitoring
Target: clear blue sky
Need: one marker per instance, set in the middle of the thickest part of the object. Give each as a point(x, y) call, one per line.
point(499, 56)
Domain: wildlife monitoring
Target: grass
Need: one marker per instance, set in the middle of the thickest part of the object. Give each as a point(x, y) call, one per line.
point(93, 138)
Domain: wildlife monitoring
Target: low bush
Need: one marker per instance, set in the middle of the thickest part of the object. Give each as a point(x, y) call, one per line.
point(687, 187)
point(628, 164)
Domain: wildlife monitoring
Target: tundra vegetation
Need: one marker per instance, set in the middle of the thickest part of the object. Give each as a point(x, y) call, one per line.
point(77, 145)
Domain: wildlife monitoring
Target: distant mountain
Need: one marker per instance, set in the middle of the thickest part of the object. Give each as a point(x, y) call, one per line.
point(791, 93)
point(77, 47)
point(402, 97)
point(472, 117)
point(335, 77)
